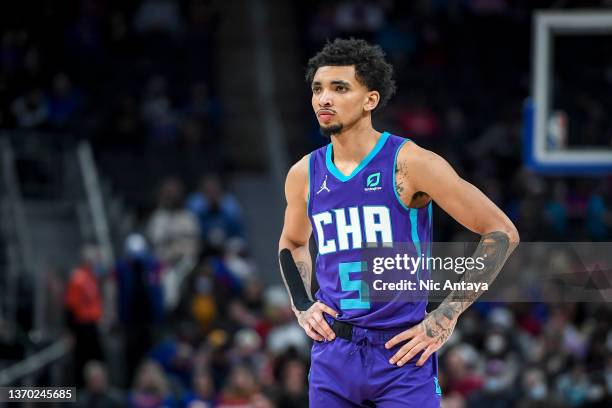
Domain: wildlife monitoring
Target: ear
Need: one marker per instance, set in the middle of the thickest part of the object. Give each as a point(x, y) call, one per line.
point(372, 99)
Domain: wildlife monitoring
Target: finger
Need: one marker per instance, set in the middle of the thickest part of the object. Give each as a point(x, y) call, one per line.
point(415, 350)
point(403, 336)
point(328, 332)
point(428, 352)
point(317, 327)
point(405, 349)
point(311, 333)
point(328, 310)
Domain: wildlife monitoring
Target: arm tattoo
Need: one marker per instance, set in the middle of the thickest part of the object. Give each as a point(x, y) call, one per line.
point(418, 197)
point(399, 180)
point(305, 274)
point(494, 248)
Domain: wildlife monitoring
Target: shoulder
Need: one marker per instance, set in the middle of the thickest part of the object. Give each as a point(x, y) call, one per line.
point(296, 183)
point(299, 170)
point(410, 152)
point(415, 159)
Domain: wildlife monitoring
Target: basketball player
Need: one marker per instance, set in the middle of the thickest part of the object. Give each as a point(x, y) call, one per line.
point(364, 187)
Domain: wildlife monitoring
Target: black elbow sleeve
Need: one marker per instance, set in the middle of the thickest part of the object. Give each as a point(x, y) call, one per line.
point(294, 281)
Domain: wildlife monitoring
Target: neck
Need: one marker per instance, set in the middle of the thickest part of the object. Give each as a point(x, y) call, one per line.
point(354, 143)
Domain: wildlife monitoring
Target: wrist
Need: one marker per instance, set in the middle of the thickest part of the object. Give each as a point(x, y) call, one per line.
point(449, 311)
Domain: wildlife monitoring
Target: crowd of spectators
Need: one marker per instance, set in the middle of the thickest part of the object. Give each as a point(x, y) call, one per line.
point(197, 327)
point(129, 76)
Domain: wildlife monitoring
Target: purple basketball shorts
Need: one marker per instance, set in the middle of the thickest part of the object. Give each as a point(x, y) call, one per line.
point(357, 373)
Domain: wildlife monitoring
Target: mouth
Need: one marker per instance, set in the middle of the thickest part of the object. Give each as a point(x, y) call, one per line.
point(325, 115)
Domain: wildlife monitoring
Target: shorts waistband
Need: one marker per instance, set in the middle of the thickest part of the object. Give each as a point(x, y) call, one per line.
point(358, 334)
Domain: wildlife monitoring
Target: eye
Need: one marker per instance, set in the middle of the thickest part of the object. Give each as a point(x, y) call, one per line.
point(341, 88)
point(316, 90)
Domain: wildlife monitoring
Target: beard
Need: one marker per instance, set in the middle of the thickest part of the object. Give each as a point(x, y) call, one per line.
point(330, 130)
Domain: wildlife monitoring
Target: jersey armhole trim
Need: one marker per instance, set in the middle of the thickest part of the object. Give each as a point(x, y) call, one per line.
point(309, 187)
point(399, 200)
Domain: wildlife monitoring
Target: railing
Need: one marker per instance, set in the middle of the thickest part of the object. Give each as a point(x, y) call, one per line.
point(95, 201)
point(28, 368)
point(20, 244)
point(264, 66)
point(20, 261)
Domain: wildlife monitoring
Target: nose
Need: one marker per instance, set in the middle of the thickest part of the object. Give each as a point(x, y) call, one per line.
point(325, 99)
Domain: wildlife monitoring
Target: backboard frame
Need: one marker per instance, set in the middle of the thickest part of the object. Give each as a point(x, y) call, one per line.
point(547, 24)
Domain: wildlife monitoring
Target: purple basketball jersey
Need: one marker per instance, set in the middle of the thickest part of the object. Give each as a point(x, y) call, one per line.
point(350, 212)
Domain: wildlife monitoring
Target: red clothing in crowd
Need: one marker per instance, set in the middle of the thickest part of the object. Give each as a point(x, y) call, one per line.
point(83, 296)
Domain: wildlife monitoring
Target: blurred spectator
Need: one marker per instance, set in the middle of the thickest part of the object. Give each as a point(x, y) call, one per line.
point(30, 110)
point(360, 16)
point(286, 332)
point(203, 392)
point(461, 375)
point(140, 299)
point(242, 390)
point(555, 210)
point(294, 388)
point(202, 306)
point(200, 103)
point(247, 346)
point(534, 388)
point(64, 102)
point(83, 302)
point(158, 114)
point(98, 393)
point(151, 388)
point(573, 387)
point(158, 16)
point(175, 354)
point(598, 218)
point(418, 119)
point(236, 259)
point(173, 230)
point(218, 211)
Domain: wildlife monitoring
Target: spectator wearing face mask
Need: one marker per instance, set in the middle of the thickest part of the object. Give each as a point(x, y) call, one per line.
point(218, 212)
point(535, 390)
point(172, 230)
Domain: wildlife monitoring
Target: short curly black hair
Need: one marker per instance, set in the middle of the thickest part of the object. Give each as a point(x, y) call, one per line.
point(371, 68)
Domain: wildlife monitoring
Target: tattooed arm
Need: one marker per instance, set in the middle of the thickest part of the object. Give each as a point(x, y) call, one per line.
point(421, 175)
point(294, 238)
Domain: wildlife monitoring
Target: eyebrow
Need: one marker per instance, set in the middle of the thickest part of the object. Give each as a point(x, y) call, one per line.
point(334, 82)
point(340, 82)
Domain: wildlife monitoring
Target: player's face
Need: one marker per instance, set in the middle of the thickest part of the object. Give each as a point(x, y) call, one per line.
point(339, 100)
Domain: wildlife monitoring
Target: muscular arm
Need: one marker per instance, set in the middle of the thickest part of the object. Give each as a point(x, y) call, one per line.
point(426, 172)
point(297, 228)
point(294, 238)
point(421, 173)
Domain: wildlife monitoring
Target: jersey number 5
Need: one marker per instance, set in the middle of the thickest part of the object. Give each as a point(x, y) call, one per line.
point(363, 301)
